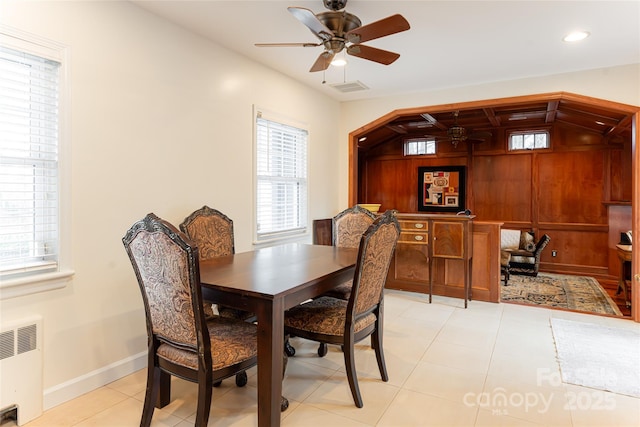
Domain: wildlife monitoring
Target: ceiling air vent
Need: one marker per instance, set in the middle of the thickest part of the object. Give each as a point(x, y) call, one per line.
point(349, 86)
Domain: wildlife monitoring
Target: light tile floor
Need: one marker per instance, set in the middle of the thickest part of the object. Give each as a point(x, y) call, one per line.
point(488, 365)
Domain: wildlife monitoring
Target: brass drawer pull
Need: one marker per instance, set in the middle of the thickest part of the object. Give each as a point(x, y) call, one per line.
point(418, 225)
point(419, 238)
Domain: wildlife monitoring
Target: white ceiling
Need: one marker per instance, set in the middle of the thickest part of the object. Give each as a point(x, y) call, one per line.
point(450, 43)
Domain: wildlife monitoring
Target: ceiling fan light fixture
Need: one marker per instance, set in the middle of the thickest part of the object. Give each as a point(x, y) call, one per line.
point(338, 30)
point(576, 36)
point(339, 62)
point(456, 133)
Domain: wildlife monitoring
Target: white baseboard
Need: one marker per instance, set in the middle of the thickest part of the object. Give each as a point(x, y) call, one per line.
point(54, 396)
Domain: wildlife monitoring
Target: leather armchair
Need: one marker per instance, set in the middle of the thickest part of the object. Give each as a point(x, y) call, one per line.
point(525, 257)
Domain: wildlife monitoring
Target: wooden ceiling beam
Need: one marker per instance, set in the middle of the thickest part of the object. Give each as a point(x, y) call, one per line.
point(433, 121)
point(552, 111)
point(622, 126)
point(491, 116)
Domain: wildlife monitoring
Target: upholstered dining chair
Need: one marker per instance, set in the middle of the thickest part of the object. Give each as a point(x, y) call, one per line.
point(212, 231)
point(336, 321)
point(181, 341)
point(348, 227)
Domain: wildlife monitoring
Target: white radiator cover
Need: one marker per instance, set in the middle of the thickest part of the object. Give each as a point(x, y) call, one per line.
point(21, 367)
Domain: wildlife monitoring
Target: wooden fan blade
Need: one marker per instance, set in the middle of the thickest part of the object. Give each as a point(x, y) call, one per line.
point(323, 62)
point(287, 44)
point(309, 19)
point(384, 27)
point(372, 54)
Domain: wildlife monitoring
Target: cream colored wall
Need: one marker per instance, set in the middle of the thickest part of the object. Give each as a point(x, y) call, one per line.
point(161, 122)
point(620, 84)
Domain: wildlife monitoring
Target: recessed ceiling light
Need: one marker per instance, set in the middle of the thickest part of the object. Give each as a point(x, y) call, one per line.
point(576, 36)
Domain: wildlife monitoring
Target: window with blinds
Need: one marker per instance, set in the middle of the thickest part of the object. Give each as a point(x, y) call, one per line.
point(281, 179)
point(29, 86)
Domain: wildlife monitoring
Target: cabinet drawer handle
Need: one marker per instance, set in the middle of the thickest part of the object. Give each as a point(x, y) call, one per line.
point(419, 225)
point(418, 238)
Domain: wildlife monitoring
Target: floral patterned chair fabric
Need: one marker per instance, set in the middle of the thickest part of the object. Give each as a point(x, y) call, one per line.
point(349, 226)
point(181, 340)
point(212, 231)
point(336, 321)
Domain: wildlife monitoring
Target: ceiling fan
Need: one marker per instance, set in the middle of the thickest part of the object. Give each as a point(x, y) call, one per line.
point(457, 133)
point(340, 30)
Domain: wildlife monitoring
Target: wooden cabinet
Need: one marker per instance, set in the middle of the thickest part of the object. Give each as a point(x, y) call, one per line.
point(457, 249)
point(432, 251)
point(411, 259)
point(446, 255)
point(451, 239)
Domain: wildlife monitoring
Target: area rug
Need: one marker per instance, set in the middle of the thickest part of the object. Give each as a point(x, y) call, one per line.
point(580, 293)
point(597, 356)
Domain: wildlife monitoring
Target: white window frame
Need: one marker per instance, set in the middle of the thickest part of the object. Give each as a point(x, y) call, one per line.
point(529, 133)
point(418, 144)
point(261, 238)
point(29, 281)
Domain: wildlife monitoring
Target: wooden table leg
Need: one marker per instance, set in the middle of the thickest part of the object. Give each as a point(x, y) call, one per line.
point(622, 282)
point(270, 347)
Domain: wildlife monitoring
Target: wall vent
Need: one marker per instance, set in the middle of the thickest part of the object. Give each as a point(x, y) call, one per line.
point(21, 368)
point(349, 86)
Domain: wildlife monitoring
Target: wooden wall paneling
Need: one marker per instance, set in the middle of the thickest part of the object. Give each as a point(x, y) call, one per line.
point(502, 187)
point(392, 184)
point(565, 137)
point(571, 187)
point(485, 271)
point(620, 175)
point(580, 250)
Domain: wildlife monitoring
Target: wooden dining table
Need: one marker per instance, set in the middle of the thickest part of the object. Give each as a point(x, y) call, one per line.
point(267, 282)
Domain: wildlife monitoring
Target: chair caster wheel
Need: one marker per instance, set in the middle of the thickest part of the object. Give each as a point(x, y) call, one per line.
point(217, 384)
point(241, 379)
point(289, 350)
point(322, 350)
point(284, 404)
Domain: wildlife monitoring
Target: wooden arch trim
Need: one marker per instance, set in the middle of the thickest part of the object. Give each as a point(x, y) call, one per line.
point(633, 111)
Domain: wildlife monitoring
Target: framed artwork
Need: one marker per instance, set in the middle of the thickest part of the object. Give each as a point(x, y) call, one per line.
point(441, 188)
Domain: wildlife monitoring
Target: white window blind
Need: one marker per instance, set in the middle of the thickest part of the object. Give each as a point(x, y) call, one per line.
point(29, 86)
point(281, 179)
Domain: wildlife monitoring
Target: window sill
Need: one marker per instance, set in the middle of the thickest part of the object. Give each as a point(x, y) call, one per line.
point(14, 288)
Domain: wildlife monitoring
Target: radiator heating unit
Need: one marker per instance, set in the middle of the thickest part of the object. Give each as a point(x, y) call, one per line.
point(21, 369)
